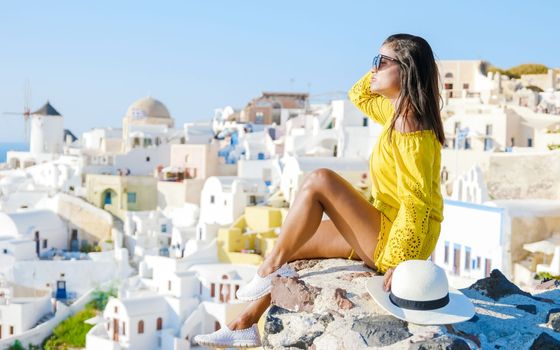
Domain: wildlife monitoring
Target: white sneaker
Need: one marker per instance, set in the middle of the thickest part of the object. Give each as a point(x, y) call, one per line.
point(259, 286)
point(226, 338)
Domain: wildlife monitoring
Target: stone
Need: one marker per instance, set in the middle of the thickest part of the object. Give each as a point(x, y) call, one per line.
point(381, 330)
point(548, 284)
point(441, 343)
point(354, 275)
point(497, 286)
point(342, 300)
point(532, 309)
point(553, 319)
point(293, 294)
point(305, 341)
point(545, 342)
point(322, 322)
point(273, 324)
point(304, 264)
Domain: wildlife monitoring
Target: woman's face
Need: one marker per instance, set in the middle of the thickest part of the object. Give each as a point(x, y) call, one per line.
point(385, 81)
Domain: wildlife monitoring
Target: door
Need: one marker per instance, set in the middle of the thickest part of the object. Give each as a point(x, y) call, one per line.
point(487, 266)
point(115, 330)
point(457, 260)
point(37, 243)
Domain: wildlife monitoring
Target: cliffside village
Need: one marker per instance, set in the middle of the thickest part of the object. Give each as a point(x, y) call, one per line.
point(176, 218)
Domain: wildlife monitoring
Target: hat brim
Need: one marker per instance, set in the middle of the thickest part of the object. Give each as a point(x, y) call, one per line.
point(459, 308)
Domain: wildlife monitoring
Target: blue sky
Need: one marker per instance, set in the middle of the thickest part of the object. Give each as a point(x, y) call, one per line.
point(92, 59)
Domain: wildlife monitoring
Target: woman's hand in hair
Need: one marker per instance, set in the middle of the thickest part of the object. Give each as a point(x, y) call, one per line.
point(387, 279)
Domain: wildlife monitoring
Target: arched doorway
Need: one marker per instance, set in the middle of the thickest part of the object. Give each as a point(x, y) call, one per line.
point(108, 198)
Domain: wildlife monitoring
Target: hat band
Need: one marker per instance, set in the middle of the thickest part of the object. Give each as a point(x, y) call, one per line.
point(419, 305)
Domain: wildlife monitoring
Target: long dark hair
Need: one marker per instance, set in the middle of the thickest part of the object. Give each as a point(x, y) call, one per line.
point(420, 95)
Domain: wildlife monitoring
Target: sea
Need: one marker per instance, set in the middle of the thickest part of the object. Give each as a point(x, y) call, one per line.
point(11, 146)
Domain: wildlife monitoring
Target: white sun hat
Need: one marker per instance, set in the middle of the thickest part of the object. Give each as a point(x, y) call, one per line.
point(421, 294)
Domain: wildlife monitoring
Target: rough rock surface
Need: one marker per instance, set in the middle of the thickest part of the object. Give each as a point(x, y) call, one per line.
point(327, 307)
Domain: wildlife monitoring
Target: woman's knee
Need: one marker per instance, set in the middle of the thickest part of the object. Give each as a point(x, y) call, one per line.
point(318, 179)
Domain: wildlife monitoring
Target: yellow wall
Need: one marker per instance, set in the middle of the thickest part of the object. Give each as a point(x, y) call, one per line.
point(145, 188)
point(232, 240)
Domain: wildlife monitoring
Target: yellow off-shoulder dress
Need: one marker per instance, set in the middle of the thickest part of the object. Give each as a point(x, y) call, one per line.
point(405, 183)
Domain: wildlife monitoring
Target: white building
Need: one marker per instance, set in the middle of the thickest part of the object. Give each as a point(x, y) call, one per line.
point(198, 133)
point(22, 308)
point(147, 122)
point(43, 227)
point(147, 233)
point(170, 302)
point(296, 169)
point(477, 238)
point(102, 140)
point(356, 133)
point(224, 198)
point(46, 139)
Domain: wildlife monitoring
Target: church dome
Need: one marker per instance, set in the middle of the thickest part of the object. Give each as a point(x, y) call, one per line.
point(147, 107)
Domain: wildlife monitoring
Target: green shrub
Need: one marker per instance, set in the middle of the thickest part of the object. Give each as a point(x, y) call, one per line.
point(546, 276)
point(100, 298)
point(529, 68)
point(71, 332)
point(16, 346)
point(517, 71)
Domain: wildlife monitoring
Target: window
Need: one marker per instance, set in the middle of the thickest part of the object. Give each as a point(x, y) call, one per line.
point(131, 197)
point(529, 142)
point(212, 290)
point(123, 328)
point(44, 244)
point(488, 143)
point(465, 86)
point(11, 330)
point(212, 199)
point(168, 285)
point(365, 122)
point(467, 258)
point(446, 253)
point(186, 158)
point(478, 262)
point(140, 327)
point(259, 118)
point(199, 233)
point(489, 129)
point(116, 310)
point(164, 228)
point(159, 324)
point(147, 159)
point(457, 126)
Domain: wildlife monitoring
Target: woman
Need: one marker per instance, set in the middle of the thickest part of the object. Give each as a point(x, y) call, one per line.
point(401, 93)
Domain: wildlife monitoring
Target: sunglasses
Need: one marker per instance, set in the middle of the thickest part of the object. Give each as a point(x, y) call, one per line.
point(379, 58)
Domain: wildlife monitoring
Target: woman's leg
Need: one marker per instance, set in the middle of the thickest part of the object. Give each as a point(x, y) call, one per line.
point(327, 242)
point(324, 191)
